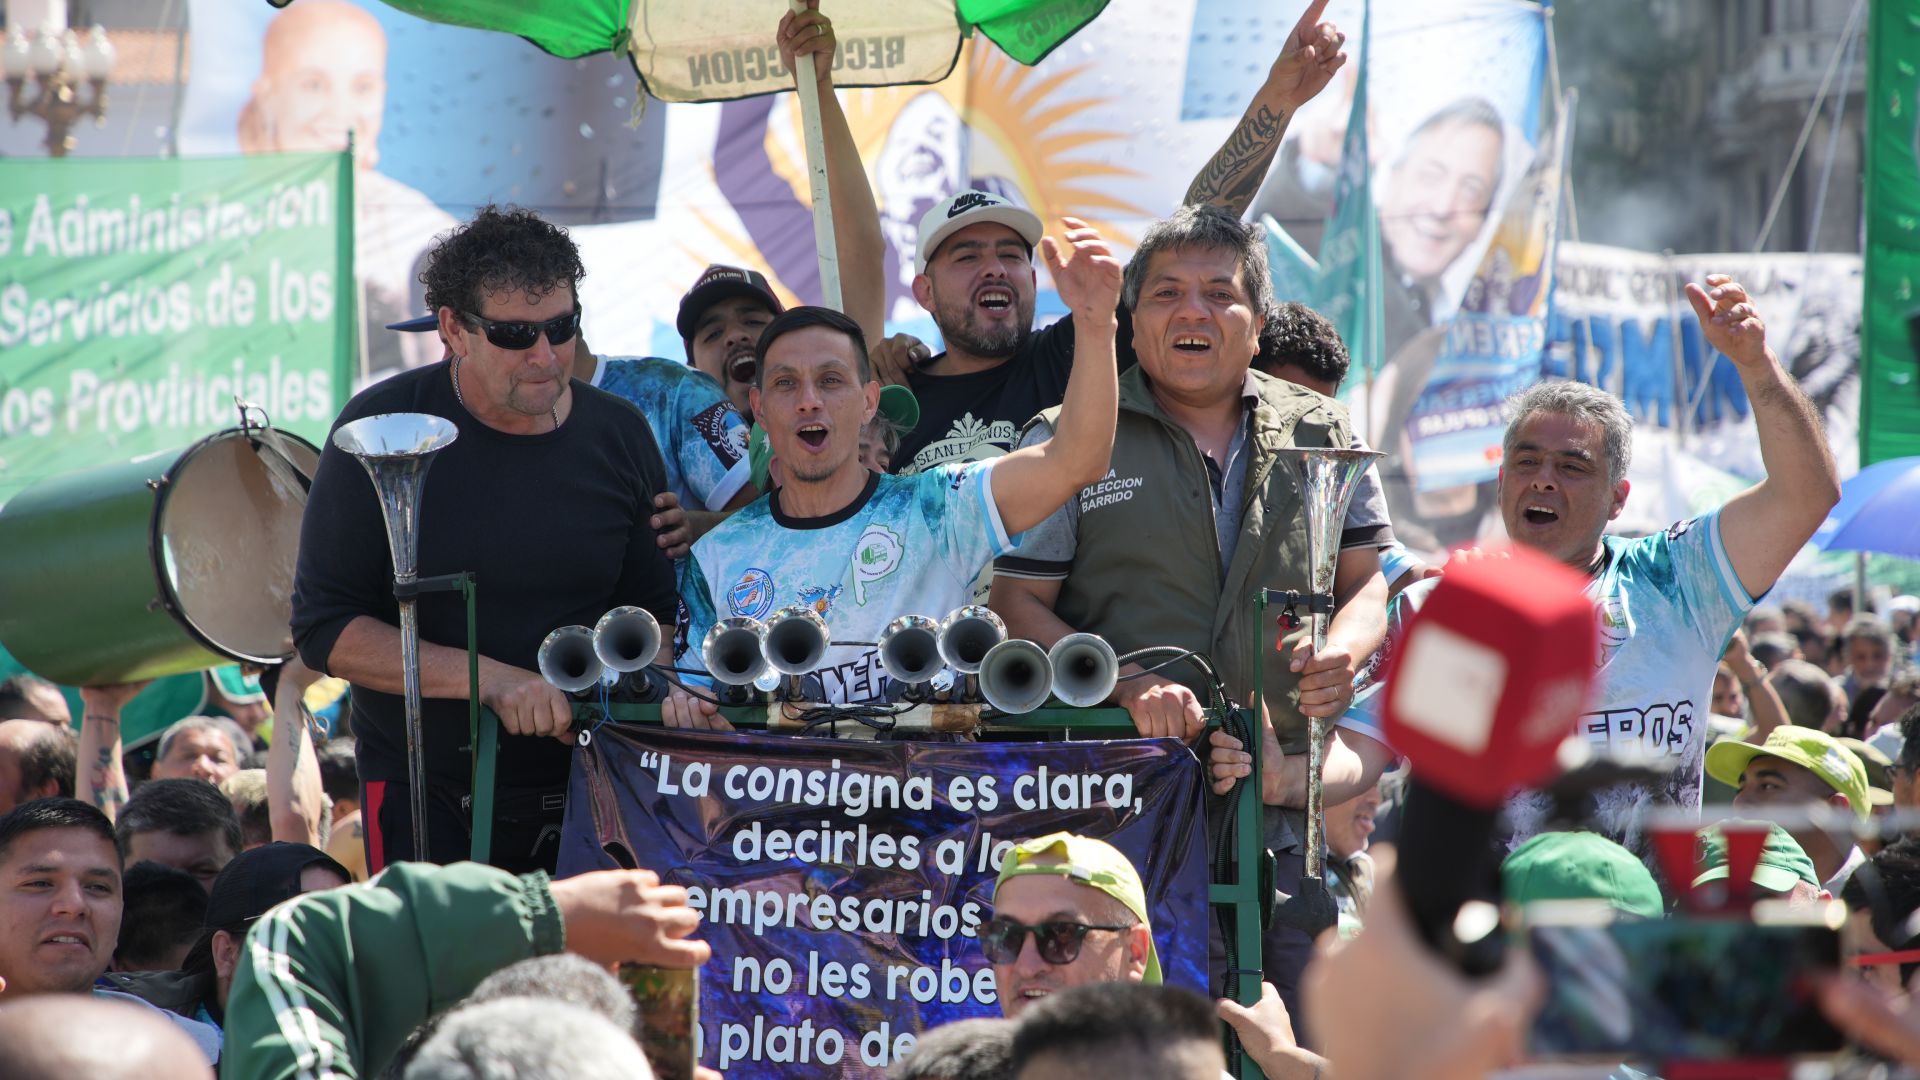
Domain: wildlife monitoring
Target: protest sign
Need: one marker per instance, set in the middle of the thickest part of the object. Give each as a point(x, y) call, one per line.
point(843, 882)
point(139, 297)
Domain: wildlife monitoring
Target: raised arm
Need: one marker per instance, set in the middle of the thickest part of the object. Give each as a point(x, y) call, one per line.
point(1306, 62)
point(856, 217)
point(1034, 481)
point(1765, 526)
point(99, 778)
point(296, 801)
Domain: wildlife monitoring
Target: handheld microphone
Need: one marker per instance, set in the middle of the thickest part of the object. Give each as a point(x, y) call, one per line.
point(1484, 685)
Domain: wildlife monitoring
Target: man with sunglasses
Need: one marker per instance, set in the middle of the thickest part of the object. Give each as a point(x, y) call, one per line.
point(1067, 910)
point(547, 496)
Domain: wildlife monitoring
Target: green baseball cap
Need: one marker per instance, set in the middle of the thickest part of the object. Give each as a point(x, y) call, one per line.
point(1093, 863)
point(897, 405)
point(1783, 862)
point(1816, 751)
point(236, 685)
point(1580, 866)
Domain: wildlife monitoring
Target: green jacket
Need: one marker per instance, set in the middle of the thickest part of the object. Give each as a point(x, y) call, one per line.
point(1146, 566)
point(331, 983)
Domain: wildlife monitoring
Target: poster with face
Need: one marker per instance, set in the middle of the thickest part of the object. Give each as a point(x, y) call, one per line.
point(442, 120)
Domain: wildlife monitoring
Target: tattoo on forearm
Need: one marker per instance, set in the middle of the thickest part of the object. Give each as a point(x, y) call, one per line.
point(109, 786)
point(1233, 176)
point(108, 781)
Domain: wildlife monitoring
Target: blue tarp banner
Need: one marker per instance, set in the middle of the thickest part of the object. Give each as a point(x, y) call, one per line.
point(843, 882)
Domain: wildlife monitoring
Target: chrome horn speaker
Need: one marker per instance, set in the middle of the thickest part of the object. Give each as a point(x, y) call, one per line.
point(567, 661)
point(626, 639)
point(731, 651)
point(1015, 676)
point(396, 449)
point(966, 635)
point(1085, 669)
point(910, 649)
point(1327, 478)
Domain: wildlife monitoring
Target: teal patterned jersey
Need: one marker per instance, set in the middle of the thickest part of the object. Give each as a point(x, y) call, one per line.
point(702, 438)
point(1666, 604)
point(909, 545)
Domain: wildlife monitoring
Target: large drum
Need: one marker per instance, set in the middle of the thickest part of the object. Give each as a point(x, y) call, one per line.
point(172, 562)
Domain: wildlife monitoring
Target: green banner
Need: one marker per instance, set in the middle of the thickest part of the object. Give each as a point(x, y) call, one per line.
point(1890, 319)
point(139, 297)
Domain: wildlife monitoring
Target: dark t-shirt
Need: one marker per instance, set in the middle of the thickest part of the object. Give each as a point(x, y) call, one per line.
point(979, 415)
point(555, 526)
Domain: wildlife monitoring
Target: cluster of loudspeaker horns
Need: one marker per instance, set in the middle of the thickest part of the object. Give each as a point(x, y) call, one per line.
point(624, 642)
point(920, 655)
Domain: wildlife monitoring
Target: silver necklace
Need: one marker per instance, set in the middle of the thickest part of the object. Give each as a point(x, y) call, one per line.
point(552, 410)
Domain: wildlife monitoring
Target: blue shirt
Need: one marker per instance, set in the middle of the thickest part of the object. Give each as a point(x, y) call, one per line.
point(701, 436)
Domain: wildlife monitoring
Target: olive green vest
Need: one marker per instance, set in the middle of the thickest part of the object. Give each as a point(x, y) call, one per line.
point(1146, 569)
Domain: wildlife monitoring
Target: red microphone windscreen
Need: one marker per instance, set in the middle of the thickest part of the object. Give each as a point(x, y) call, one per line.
point(1491, 675)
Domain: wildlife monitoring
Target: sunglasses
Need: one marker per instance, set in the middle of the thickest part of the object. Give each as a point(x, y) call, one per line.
point(1058, 941)
point(518, 334)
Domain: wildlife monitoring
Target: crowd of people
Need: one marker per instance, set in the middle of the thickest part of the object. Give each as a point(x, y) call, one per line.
point(1116, 472)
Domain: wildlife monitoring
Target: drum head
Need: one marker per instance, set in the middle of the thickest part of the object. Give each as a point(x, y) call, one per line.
point(227, 532)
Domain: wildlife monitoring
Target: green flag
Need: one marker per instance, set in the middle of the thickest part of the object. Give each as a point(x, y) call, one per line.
point(1028, 30)
point(1890, 314)
point(1348, 289)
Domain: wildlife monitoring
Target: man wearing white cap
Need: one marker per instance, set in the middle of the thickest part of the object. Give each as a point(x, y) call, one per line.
point(974, 273)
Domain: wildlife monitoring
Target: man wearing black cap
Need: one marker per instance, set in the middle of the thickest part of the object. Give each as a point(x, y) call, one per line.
point(720, 320)
point(252, 884)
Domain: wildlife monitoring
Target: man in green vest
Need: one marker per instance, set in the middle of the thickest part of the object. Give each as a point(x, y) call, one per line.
point(1196, 514)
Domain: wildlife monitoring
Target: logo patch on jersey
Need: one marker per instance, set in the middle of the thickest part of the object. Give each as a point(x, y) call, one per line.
point(729, 442)
point(1611, 616)
point(875, 555)
point(819, 599)
point(752, 595)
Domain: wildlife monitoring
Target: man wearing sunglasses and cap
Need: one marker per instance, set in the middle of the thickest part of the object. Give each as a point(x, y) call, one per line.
point(547, 495)
point(1081, 903)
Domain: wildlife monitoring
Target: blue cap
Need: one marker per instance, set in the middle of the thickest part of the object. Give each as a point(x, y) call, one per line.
point(416, 326)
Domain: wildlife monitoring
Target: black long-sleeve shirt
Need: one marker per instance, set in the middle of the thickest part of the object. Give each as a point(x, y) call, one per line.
point(555, 526)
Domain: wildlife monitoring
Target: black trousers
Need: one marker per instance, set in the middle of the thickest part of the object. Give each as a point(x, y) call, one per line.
point(526, 825)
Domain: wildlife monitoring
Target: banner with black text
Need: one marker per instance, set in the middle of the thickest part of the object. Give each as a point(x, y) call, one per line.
point(842, 882)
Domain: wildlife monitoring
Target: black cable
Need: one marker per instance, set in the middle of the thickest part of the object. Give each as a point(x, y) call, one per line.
point(1199, 659)
point(866, 714)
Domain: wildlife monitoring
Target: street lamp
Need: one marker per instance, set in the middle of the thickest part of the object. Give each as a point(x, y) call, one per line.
point(59, 62)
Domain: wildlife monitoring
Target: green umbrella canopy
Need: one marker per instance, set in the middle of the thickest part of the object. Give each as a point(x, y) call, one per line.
point(696, 50)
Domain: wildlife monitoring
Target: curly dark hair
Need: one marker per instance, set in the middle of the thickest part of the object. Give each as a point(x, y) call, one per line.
point(503, 249)
point(1298, 335)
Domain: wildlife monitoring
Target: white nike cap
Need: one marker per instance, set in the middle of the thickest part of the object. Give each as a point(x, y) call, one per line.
point(972, 208)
